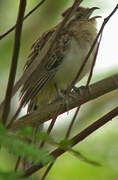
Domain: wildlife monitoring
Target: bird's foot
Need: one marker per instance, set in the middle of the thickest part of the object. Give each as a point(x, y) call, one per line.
point(81, 90)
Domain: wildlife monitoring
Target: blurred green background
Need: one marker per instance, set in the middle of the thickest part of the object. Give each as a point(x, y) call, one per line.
point(102, 145)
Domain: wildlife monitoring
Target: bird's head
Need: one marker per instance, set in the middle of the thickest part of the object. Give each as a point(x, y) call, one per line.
point(81, 13)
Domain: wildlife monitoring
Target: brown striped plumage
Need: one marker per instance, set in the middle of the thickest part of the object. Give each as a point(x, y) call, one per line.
point(64, 60)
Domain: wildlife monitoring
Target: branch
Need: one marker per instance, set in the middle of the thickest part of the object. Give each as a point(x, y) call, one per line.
point(25, 17)
point(87, 94)
point(12, 74)
point(77, 139)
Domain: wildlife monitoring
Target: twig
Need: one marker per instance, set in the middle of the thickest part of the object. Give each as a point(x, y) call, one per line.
point(12, 74)
point(17, 163)
point(77, 139)
point(94, 61)
point(13, 27)
point(47, 171)
point(14, 117)
point(52, 123)
point(97, 89)
point(72, 122)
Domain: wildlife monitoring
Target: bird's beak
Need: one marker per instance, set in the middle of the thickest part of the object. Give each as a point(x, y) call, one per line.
point(94, 8)
point(91, 11)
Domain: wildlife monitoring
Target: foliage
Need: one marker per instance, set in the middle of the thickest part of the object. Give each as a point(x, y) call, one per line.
point(21, 148)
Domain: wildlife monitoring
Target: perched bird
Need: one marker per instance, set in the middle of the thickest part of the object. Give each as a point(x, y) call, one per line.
point(63, 61)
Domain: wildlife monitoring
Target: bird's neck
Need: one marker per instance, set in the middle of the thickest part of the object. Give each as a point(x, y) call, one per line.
point(84, 31)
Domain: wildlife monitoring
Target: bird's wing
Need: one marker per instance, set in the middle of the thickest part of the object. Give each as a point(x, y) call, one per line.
point(37, 79)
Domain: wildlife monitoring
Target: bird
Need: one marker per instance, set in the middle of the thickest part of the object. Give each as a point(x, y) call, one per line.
point(63, 61)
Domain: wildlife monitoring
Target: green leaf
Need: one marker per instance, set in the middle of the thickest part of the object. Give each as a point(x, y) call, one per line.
point(23, 149)
point(44, 136)
point(65, 144)
point(83, 158)
point(28, 131)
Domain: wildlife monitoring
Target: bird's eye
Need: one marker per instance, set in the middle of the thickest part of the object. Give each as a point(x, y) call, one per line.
point(79, 15)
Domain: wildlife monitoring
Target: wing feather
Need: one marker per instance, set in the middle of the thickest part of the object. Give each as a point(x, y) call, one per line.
point(37, 79)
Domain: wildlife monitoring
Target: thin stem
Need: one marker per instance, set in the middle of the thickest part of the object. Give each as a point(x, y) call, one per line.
point(47, 171)
point(72, 122)
point(51, 125)
point(17, 163)
point(14, 117)
point(94, 61)
point(13, 69)
point(25, 17)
